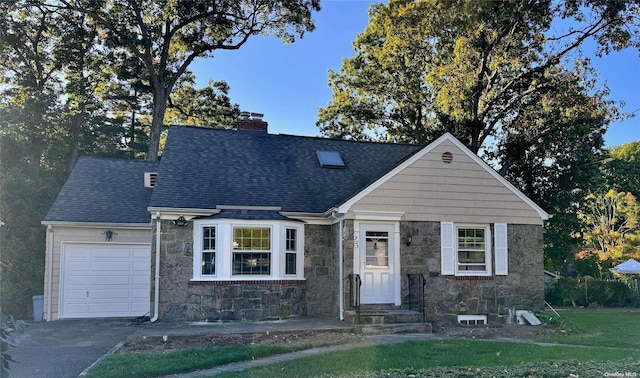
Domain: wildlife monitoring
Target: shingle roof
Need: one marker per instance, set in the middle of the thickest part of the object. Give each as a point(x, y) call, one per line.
point(105, 191)
point(202, 168)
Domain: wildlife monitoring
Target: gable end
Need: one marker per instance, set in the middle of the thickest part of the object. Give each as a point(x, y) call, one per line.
point(347, 205)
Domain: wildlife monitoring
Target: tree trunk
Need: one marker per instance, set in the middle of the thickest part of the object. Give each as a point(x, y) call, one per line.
point(159, 108)
point(77, 126)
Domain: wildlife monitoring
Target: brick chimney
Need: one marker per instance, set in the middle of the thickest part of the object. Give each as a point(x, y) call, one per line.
point(252, 122)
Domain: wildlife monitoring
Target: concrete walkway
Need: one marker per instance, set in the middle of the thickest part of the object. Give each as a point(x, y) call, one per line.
point(370, 341)
point(67, 348)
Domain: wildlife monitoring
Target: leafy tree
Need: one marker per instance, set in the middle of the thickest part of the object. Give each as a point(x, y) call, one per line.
point(559, 168)
point(49, 114)
point(87, 126)
point(29, 115)
point(494, 74)
point(208, 106)
point(29, 102)
point(164, 37)
point(621, 168)
point(471, 67)
point(128, 99)
point(610, 219)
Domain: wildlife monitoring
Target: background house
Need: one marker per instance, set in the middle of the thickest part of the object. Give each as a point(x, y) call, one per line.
point(251, 225)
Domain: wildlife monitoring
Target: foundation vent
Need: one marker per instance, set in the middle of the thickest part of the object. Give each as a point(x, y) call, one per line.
point(472, 319)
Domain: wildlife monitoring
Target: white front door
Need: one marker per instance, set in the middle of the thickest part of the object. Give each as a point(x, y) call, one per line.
point(377, 257)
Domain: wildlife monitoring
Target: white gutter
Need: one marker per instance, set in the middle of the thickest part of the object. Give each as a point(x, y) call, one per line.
point(156, 284)
point(50, 267)
point(180, 210)
point(340, 266)
point(132, 226)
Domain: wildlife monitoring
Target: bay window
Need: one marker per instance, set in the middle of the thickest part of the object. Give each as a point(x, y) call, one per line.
point(233, 249)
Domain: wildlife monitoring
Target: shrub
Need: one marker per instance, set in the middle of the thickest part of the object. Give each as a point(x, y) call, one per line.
point(8, 326)
point(585, 290)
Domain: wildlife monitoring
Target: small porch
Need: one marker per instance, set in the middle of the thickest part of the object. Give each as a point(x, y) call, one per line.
point(411, 313)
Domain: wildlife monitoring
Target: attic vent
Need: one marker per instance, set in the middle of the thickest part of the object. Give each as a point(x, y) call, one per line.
point(447, 157)
point(330, 159)
point(150, 179)
point(472, 319)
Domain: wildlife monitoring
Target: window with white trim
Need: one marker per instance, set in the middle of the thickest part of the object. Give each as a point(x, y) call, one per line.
point(228, 249)
point(291, 248)
point(473, 250)
point(208, 256)
point(251, 251)
point(377, 249)
point(466, 249)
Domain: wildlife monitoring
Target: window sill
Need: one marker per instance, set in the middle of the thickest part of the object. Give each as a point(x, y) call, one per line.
point(298, 281)
point(474, 278)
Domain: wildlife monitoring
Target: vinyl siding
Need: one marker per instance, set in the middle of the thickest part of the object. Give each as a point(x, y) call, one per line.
point(462, 191)
point(63, 235)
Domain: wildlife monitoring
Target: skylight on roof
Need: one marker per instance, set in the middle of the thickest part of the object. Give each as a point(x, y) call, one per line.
point(330, 159)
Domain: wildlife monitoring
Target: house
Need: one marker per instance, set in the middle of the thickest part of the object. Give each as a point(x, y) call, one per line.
point(251, 225)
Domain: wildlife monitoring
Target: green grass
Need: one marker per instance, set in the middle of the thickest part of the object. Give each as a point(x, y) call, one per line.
point(159, 364)
point(603, 327)
point(599, 342)
point(464, 354)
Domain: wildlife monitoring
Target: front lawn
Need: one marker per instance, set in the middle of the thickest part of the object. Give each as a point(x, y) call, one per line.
point(601, 327)
point(437, 357)
point(602, 341)
point(159, 364)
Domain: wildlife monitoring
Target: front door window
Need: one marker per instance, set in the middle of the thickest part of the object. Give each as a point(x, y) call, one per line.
point(377, 248)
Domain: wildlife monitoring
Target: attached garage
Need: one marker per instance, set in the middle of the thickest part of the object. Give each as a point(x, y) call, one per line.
point(105, 280)
point(99, 236)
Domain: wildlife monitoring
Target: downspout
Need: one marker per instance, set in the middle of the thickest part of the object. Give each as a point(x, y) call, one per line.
point(156, 282)
point(340, 266)
point(50, 267)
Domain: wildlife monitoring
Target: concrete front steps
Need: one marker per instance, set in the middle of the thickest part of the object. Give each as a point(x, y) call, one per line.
point(385, 319)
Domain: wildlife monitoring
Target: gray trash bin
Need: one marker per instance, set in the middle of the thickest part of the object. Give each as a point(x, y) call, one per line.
point(38, 307)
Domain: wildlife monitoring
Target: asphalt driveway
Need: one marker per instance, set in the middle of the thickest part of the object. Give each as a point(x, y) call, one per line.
point(65, 348)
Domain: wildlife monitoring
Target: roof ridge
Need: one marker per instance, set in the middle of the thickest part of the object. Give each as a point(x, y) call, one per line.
point(88, 157)
point(221, 129)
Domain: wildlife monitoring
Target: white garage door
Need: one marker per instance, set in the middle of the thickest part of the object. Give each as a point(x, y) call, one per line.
point(105, 280)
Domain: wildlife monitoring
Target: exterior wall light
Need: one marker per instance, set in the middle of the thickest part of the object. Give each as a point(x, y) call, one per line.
point(108, 235)
point(408, 240)
point(181, 221)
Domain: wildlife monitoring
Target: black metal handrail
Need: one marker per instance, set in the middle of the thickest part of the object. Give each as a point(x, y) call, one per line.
point(417, 284)
point(354, 291)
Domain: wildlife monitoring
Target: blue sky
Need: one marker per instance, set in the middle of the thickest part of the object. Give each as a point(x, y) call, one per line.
point(289, 83)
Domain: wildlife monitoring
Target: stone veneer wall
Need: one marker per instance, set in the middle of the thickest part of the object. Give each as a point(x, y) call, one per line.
point(321, 269)
point(181, 299)
point(447, 296)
